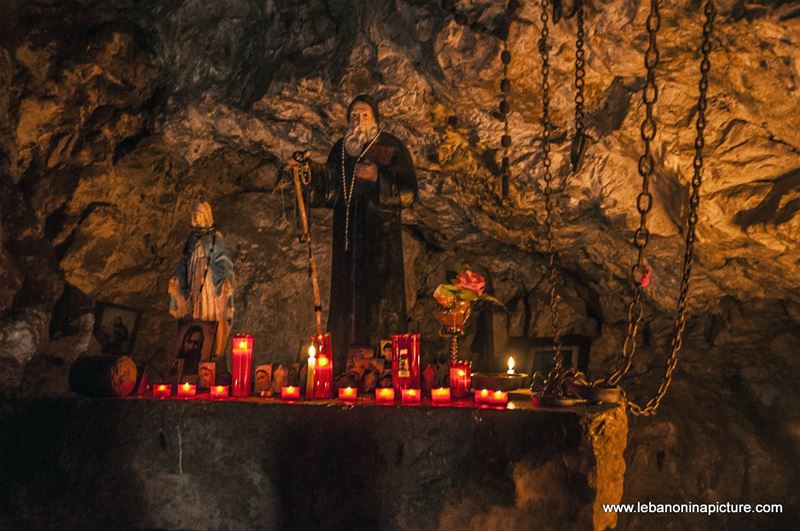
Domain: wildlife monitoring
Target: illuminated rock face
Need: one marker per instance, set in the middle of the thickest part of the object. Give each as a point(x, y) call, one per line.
point(117, 116)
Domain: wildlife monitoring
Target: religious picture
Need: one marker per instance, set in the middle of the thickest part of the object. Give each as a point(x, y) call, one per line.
point(386, 349)
point(278, 379)
point(195, 344)
point(174, 372)
point(143, 380)
point(356, 354)
point(363, 370)
point(115, 328)
point(293, 377)
point(263, 382)
point(206, 377)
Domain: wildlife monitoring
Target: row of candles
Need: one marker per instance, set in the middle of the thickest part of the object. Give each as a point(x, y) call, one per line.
point(439, 396)
point(319, 381)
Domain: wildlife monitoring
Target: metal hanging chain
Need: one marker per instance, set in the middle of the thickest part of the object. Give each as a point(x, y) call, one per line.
point(505, 108)
point(694, 203)
point(644, 201)
point(580, 140)
point(552, 274)
point(580, 70)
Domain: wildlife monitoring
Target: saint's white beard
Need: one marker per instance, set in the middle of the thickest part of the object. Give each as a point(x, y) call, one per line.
point(356, 139)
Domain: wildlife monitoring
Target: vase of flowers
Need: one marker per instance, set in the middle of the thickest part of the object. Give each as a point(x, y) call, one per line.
point(454, 302)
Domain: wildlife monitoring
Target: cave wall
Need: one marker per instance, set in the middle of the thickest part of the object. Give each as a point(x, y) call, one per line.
point(118, 115)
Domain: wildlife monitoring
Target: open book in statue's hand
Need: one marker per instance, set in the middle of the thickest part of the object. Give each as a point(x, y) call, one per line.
point(380, 155)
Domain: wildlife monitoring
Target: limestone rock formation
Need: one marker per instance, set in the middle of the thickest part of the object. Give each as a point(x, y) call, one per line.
point(118, 115)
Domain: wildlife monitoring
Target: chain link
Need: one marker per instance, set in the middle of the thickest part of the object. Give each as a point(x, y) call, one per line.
point(580, 70)
point(505, 141)
point(679, 324)
point(553, 386)
point(644, 201)
point(580, 140)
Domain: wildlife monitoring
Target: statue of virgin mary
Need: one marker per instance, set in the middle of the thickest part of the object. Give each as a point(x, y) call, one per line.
point(202, 287)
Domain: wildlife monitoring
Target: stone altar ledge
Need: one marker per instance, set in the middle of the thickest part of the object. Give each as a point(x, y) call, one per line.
point(88, 463)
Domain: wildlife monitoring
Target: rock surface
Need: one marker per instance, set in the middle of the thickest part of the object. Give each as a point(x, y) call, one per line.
point(117, 115)
point(178, 464)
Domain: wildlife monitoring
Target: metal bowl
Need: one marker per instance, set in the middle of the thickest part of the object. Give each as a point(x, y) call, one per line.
point(498, 381)
point(606, 395)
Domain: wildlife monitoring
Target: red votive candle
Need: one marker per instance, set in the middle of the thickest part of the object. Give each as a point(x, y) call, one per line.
point(482, 396)
point(162, 391)
point(348, 394)
point(219, 391)
point(242, 364)
point(323, 372)
point(290, 392)
point(440, 395)
point(384, 395)
point(405, 361)
point(460, 378)
point(410, 396)
point(499, 398)
point(187, 390)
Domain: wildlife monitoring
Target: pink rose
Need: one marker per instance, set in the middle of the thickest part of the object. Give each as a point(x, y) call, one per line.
point(471, 281)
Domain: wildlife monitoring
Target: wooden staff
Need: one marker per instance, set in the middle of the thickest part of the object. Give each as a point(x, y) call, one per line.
point(302, 174)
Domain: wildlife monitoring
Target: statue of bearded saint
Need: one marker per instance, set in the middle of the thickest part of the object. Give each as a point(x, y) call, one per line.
point(202, 287)
point(368, 179)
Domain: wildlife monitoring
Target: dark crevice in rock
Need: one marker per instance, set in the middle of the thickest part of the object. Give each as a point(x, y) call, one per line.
point(127, 145)
point(614, 107)
point(770, 210)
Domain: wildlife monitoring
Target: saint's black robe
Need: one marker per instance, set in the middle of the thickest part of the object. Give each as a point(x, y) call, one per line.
point(367, 300)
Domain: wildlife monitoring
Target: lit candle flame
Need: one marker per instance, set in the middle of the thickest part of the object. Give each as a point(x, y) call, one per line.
point(312, 351)
point(242, 344)
point(461, 373)
point(186, 386)
point(323, 361)
point(162, 387)
point(219, 388)
point(484, 392)
point(510, 365)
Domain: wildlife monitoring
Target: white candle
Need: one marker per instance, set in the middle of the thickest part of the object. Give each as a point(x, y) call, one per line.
point(510, 365)
point(312, 364)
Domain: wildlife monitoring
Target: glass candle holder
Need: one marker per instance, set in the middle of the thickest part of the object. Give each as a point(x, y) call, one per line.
point(384, 395)
point(410, 396)
point(323, 371)
point(290, 392)
point(483, 396)
point(162, 391)
point(219, 391)
point(460, 378)
point(242, 364)
point(499, 398)
point(187, 390)
point(405, 361)
point(440, 396)
point(348, 394)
